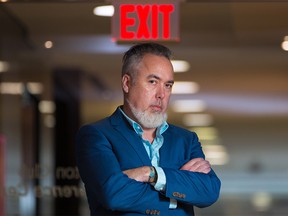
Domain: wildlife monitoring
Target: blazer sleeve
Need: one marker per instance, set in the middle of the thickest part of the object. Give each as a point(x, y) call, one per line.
point(103, 177)
point(192, 188)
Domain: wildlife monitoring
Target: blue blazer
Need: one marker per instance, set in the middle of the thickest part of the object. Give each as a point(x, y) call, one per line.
point(106, 148)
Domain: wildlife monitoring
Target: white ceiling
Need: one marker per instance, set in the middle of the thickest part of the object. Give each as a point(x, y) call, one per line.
point(234, 49)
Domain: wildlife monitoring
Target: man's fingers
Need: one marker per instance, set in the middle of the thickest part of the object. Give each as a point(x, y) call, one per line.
point(197, 165)
point(204, 168)
point(190, 164)
point(139, 174)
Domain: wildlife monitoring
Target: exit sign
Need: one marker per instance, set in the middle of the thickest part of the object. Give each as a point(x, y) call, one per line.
point(141, 20)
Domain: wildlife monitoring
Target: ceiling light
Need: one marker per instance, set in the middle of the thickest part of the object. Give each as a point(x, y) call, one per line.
point(16, 88)
point(13, 88)
point(180, 66)
point(46, 106)
point(180, 87)
point(262, 201)
point(285, 45)
point(107, 10)
point(35, 88)
point(216, 154)
point(197, 120)
point(206, 133)
point(188, 106)
point(4, 66)
point(48, 44)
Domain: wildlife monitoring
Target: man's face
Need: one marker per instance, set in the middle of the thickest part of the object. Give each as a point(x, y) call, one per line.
point(150, 92)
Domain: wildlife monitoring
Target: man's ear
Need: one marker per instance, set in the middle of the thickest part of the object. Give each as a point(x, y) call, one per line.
point(126, 83)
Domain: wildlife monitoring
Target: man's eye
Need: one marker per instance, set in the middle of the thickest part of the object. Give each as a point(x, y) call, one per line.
point(152, 81)
point(169, 86)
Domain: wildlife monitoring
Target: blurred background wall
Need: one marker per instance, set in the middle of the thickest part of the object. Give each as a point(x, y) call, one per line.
point(59, 69)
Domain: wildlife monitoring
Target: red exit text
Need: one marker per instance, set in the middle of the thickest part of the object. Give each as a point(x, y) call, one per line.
point(145, 21)
point(156, 14)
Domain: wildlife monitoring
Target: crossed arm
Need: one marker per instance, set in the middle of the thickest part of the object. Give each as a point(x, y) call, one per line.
point(114, 189)
point(141, 174)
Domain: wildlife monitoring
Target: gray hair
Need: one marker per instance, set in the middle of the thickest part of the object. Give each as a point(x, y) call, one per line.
point(135, 54)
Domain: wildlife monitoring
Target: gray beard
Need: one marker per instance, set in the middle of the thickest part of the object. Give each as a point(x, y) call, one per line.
point(148, 120)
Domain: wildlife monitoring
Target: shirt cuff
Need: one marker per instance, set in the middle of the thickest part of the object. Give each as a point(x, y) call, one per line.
point(161, 179)
point(160, 185)
point(173, 204)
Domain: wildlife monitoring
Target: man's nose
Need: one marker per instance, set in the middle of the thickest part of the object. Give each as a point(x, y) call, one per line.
point(160, 94)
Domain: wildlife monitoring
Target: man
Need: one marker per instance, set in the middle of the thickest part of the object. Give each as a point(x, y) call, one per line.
point(134, 162)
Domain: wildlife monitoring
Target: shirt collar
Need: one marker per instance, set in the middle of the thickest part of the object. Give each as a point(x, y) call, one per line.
point(138, 129)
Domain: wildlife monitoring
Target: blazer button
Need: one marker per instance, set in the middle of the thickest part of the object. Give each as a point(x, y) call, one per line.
point(147, 211)
point(175, 194)
point(179, 195)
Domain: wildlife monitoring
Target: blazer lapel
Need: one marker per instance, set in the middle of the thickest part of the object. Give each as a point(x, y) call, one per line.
point(165, 150)
point(121, 124)
point(172, 154)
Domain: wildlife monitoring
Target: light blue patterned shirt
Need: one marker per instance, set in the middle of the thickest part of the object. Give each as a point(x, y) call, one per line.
point(153, 153)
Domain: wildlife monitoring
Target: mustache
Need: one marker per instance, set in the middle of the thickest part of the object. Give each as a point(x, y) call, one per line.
point(156, 104)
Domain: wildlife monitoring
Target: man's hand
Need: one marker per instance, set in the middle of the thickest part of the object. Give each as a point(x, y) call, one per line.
point(140, 174)
point(197, 165)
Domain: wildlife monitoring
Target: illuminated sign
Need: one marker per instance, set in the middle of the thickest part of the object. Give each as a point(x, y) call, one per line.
point(135, 20)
